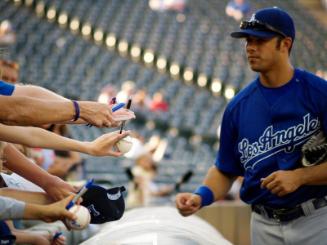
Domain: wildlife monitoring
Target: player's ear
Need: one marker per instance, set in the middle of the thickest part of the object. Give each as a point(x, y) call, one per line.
point(287, 44)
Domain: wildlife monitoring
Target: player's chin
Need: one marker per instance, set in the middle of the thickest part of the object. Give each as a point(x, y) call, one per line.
point(256, 67)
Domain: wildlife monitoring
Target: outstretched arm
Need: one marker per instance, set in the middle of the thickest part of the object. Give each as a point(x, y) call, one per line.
point(14, 209)
point(51, 212)
point(37, 137)
point(31, 111)
point(55, 187)
point(90, 112)
point(26, 196)
point(37, 92)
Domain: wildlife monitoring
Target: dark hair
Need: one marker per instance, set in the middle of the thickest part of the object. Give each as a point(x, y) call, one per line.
point(280, 38)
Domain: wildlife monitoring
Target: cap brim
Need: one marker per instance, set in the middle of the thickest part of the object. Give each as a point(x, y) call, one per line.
point(254, 33)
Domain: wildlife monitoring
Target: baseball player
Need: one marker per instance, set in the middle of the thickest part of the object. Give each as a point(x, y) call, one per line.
point(262, 132)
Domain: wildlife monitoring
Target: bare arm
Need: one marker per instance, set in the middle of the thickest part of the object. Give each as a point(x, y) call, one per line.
point(218, 182)
point(31, 111)
point(315, 175)
point(15, 209)
point(18, 163)
point(37, 137)
point(30, 237)
point(42, 93)
point(49, 213)
point(60, 167)
point(37, 92)
point(90, 112)
point(25, 196)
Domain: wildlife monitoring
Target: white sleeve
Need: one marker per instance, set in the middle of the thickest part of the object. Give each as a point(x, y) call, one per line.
point(11, 208)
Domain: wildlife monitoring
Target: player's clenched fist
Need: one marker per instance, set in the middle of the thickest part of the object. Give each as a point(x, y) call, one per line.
point(188, 203)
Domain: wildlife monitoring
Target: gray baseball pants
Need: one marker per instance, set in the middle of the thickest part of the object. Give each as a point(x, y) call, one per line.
point(306, 230)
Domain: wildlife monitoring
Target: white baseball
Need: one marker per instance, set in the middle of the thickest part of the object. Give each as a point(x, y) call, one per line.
point(83, 218)
point(125, 144)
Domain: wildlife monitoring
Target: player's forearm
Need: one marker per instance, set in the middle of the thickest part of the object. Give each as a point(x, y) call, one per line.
point(218, 182)
point(25, 196)
point(315, 175)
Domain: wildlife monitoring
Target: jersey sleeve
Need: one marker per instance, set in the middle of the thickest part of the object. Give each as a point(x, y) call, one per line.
point(6, 88)
point(11, 208)
point(227, 160)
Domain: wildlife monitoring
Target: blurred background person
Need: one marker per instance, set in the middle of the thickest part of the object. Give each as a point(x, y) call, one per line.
point(238, 9)
point(127, 91)
point(9, 71)
point(7, 34)
point(165, 5)
point(107, 93)
point(141, 100)
point(158, 103)
point(143, 190)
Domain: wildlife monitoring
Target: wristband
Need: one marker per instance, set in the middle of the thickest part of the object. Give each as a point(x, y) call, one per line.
point(206, 195)
point(77, 110)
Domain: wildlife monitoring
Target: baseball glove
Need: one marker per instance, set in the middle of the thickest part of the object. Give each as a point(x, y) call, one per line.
point(314, 151)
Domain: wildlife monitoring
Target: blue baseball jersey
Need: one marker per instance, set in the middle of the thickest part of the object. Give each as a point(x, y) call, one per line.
point(6, 88)
point(263, 131)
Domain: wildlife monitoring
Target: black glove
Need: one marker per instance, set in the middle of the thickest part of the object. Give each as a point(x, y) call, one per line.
point(314, 151)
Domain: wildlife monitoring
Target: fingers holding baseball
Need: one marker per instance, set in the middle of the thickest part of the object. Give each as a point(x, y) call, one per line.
point(188, 203)
point(57, 211)
point(110, 144)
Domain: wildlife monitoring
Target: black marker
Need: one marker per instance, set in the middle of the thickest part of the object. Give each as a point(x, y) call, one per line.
point(129, 103)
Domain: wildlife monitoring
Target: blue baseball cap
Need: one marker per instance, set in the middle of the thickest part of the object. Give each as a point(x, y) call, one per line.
point(267, 23)
point(104, 205)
